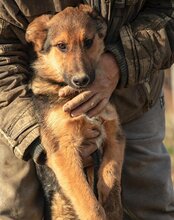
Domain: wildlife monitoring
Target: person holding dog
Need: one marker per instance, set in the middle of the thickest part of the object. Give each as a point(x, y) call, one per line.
point(139, 45)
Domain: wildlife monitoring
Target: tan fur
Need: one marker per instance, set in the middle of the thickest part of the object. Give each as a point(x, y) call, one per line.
point(63, 136)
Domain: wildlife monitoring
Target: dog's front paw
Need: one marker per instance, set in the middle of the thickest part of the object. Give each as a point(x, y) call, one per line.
point(93, 132)
point(98, 213)
point(91, 129)
point(103, 191)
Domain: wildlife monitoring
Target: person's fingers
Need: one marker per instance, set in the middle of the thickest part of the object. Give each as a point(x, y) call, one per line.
point(98, 108)
point(77, 101)
point(87, 106)
point(66, 91)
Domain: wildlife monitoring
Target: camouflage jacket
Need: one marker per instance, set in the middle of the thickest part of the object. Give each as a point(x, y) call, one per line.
point(140, 35)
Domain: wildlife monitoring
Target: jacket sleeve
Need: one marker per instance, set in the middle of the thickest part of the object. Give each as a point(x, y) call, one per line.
point(146, 44)
point(18, 124)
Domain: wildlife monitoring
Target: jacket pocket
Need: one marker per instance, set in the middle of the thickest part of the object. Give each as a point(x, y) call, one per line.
point(151, 89)
point(130, 102)
point(156, 84)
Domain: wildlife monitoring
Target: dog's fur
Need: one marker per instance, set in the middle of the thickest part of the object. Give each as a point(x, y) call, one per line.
point(68, 47)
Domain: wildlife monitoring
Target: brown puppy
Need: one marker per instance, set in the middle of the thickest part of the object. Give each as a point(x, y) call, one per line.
point(68, 47)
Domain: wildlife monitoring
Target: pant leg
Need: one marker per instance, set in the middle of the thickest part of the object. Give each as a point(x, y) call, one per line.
point(20, 193)
point(146, 181)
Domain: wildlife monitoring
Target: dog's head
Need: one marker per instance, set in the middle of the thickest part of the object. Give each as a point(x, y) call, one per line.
point(68, 44)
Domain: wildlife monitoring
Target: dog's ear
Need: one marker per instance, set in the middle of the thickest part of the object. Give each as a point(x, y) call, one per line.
point(101, 24)
point(36, 32)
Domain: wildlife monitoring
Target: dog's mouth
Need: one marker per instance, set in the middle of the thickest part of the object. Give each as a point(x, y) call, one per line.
point(77, 87)
point(62, 84)
point(55, 82)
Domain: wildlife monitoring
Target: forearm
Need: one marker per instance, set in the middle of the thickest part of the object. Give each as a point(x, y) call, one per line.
point(147, 42)
point(18, 121)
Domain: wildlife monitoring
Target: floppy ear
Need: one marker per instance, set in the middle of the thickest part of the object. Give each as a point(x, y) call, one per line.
point(37, 31)
point(101, 24)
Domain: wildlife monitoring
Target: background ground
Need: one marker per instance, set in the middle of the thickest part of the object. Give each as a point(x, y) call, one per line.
point(169, 100)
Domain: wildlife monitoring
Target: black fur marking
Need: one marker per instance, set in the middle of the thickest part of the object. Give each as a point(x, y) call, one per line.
point(49, 185)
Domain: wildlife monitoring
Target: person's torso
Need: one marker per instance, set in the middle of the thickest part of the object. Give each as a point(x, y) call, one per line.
point(130, 102)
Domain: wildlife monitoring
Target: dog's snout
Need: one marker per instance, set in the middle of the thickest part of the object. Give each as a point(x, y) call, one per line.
point(81, 81)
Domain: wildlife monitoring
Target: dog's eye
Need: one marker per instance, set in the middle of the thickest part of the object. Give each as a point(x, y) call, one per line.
point(62, 47)
point(88, 43)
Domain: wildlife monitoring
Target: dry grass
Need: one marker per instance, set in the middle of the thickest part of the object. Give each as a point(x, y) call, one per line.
point(169, 139)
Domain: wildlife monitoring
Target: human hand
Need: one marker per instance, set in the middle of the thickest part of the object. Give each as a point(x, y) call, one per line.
point(96, 96)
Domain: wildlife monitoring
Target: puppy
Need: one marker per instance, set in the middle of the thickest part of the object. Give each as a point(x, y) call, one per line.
point(68, 46)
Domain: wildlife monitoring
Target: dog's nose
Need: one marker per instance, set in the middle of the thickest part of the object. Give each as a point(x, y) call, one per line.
point(81, 81)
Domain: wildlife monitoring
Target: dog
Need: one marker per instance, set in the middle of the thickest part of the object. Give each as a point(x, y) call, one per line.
point(68, 46)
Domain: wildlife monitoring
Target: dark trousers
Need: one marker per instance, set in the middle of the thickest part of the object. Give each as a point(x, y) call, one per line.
point(147, 188)
point(20, 192)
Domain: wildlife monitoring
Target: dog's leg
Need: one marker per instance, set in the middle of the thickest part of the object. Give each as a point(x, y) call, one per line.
point(109, 184)
point(61, 208)
point(75, 187)
point(66, 163)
